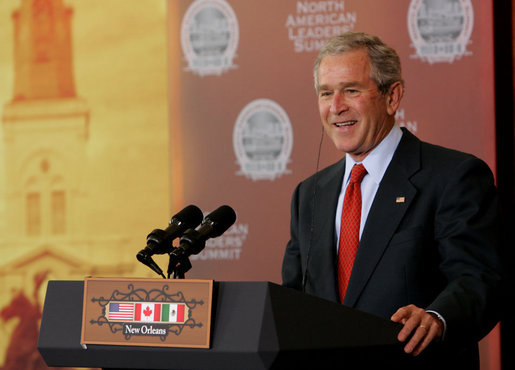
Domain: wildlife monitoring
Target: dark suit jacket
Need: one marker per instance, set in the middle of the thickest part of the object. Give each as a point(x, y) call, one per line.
point(429, 239)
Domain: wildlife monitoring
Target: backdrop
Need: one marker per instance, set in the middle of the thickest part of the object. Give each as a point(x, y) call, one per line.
point(243, 111)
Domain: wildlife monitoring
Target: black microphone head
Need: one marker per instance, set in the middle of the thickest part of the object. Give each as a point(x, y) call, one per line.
point(194, 241)
point(191, 216)
point(220, 220)
point(160, 241)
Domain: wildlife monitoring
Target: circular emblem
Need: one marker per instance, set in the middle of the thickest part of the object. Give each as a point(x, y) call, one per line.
point(440, 29)
point(209, 37)
point(262, 140)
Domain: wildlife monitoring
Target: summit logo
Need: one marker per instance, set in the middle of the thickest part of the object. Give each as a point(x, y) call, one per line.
point(209, 37)
point(440, 30)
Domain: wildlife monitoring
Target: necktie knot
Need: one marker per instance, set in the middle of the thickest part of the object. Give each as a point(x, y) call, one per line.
point(357, 173)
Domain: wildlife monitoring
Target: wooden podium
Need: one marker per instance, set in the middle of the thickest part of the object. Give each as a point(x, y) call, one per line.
point(255, 325)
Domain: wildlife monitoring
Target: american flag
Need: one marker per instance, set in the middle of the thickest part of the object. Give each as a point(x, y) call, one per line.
point(120, 311)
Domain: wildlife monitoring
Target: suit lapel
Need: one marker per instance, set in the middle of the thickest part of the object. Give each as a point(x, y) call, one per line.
point(392, 199)
point(322, 259)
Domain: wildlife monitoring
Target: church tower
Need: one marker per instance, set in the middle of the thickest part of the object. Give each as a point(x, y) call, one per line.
point(45, 131)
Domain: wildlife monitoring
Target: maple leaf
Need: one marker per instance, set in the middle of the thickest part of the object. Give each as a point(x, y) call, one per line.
point(147, 311)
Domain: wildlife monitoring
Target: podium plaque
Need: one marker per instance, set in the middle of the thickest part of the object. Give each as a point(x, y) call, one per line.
point(147, 312)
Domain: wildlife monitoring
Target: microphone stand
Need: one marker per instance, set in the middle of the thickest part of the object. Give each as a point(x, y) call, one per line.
point(179, 257)
point(178, 266)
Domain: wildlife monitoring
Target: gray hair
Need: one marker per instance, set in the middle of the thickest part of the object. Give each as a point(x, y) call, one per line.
point(385, 64)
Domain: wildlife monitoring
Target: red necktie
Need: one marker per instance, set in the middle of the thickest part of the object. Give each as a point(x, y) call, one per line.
point(349, 229)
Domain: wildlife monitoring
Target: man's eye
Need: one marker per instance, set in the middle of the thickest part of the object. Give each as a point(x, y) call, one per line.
point(351, 91)
point(325, 93)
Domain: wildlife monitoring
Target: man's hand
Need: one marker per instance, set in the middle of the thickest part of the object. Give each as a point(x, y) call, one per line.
point(425, 326)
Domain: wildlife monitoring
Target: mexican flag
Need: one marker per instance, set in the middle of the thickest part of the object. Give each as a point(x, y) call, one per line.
point(172, 312)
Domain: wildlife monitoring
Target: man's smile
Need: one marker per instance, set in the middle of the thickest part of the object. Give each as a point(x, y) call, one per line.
point(345, 123)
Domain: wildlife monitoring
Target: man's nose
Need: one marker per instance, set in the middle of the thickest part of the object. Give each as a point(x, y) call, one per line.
point(338, 104)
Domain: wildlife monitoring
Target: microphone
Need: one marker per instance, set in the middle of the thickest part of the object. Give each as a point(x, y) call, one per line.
point(194, 241)
point(160, 241)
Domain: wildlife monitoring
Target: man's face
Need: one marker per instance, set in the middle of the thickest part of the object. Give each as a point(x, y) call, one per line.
point(354, 113)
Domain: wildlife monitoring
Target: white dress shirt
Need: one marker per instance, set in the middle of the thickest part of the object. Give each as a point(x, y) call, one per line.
point(376, 163)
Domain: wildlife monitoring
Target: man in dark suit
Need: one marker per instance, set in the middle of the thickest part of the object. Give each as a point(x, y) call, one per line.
point(427, 255)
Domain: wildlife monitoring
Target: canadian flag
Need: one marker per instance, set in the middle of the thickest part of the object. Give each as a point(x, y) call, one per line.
point(148, 312)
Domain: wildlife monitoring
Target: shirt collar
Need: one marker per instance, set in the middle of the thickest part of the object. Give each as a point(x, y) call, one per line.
point(377, 161)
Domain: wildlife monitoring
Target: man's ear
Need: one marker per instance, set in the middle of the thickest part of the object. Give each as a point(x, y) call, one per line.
point(393, 97)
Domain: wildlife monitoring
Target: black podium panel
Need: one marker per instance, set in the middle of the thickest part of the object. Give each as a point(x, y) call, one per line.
point(255, 325)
